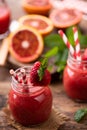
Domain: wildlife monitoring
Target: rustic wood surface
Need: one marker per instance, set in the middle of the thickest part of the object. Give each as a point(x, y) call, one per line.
point(61, 102)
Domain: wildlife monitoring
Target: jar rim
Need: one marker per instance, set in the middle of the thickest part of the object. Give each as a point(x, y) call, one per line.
point(70, 56)
point(19, 86)
point(18, 70)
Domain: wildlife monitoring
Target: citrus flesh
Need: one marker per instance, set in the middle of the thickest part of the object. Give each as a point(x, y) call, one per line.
point(43, 24)
point(25, 44)
point(63, 18)
point(36, 7)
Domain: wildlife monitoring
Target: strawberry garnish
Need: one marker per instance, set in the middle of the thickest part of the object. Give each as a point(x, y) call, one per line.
point(39, 75)
point(84, 56)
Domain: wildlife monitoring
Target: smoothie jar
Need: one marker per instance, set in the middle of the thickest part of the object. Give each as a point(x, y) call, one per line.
point(29, 105)
point(75, 78)
point(4, 19)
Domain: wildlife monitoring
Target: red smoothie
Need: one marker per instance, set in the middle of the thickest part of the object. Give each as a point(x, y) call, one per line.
point(75, 79)
point(4, 19)
point(30, 107)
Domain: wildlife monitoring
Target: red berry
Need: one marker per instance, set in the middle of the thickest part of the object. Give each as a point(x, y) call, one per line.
point(46, 78)
point(34, 78)
point(84, 56)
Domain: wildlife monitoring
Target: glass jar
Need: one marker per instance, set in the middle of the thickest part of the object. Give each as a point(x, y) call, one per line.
point(75, 78)
point(4, 19)
point(29, 105)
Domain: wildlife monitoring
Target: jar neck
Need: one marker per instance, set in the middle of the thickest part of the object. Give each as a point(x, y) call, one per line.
point(23, 88)
point(74, 63)
point(20, 86)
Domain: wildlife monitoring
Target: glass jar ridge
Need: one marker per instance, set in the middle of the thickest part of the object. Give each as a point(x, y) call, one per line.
point(20, 86)
point(74, 63)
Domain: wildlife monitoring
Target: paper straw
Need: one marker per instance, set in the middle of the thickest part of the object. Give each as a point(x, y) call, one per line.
point(20, 80)
point(24, 78)
point(77, 44)
point(12, 72)
point(67, 43)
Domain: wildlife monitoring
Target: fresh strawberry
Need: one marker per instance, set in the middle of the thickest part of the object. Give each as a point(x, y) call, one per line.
point(39, 75)
point(84, 56)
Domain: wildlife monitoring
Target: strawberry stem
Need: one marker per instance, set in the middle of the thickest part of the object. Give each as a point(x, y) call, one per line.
point(43, 66)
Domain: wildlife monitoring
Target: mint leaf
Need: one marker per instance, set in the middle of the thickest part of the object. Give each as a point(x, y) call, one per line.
point(83, 41)
point(64, 55)
point(60, 68)
point(51, 52)
point(44, 64)
point(80, 114)
point(40, 73)
point(53, 40)
point(61, 59)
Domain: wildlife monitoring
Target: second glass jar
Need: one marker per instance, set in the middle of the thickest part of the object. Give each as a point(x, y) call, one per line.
point(75, 78)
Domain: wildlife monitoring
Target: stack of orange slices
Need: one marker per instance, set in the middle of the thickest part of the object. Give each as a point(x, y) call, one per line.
point(26, 42)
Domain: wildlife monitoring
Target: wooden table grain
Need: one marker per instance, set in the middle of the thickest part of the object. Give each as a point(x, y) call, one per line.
point(61, 101)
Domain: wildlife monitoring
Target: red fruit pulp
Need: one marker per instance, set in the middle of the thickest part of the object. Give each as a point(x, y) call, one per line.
point(31, 108)
point(4, 19)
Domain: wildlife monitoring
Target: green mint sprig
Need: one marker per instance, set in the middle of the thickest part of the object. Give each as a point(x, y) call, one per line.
point(43, 66)
point(80, 114)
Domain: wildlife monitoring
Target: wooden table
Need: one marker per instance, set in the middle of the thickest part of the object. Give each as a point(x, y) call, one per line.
point(61, 102)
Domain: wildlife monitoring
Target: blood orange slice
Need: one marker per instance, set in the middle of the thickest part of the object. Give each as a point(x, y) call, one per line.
point(37, 6)
point(25, 44)
point(43, 24)
point(63, 18)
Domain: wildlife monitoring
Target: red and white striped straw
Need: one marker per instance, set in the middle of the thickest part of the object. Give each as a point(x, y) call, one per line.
point(77, 44)
point(67, 43)
point(24, 78)
point(25, 81)
point(12, 72)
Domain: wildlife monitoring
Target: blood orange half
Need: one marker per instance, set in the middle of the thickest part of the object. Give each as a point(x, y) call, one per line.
point(43, 24)
point(63, 18)
point(25, 44)
point(37, 6)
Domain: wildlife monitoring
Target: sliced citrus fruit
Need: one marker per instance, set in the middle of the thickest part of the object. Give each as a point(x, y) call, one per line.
point(37, 6)
point(25, 44)
point(63, 18)
point(43, 24)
